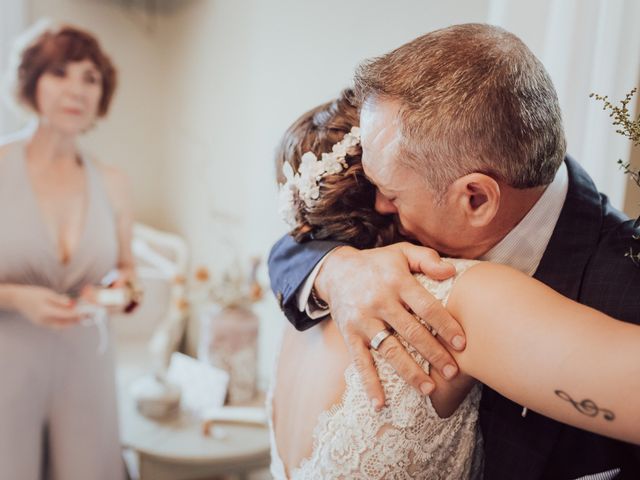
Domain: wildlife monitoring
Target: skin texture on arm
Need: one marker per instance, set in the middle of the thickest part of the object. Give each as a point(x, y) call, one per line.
point(548, 353)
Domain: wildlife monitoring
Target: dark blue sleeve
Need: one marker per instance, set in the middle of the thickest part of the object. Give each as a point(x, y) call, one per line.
point(290, 263)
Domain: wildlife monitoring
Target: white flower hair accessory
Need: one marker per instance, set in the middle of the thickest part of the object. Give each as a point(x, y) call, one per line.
point(305, 184)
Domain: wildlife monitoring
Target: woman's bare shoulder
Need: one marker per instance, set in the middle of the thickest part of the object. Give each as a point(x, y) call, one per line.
point(113, 175)
point(115, 179)
point(490, 287)
point(441, 288)
point(117, 186)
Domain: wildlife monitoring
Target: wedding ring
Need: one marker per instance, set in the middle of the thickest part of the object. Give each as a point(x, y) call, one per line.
point(432, 330)
point(379, 337)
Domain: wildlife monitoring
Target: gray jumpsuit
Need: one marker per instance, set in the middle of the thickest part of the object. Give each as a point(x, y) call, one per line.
point(58, 412)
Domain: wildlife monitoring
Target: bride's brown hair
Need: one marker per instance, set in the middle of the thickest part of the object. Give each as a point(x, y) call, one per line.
point(345, 210)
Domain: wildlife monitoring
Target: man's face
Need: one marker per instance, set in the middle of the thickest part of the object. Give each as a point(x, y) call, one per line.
point(400, 190)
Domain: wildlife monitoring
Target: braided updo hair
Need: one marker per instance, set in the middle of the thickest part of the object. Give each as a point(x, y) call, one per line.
point(345, 210)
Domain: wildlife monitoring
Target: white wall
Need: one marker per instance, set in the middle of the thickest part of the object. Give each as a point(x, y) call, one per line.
point(12, 22)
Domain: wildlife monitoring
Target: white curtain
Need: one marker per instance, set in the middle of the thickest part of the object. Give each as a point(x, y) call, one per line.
point(587, 46)
point(13, 20)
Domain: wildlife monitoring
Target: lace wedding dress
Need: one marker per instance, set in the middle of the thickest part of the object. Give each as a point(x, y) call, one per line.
point(407, 439)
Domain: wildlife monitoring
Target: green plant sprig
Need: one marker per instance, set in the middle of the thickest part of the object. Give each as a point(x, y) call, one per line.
point(630, 128)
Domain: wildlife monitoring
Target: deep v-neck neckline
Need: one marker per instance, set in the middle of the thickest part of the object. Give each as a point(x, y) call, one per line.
point(53, 243)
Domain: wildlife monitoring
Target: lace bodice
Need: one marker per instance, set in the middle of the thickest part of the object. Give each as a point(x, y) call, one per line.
point(406, 440)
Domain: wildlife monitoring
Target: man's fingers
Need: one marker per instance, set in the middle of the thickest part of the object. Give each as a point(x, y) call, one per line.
point(418, 336)
point(393, 351)
point(431, 310)
point(366, 368)
point(427, 261)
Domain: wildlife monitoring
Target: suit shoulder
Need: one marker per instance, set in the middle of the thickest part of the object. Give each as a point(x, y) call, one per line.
point(612, 278)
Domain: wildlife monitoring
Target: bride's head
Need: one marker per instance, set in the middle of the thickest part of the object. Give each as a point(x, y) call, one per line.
point(325, 194)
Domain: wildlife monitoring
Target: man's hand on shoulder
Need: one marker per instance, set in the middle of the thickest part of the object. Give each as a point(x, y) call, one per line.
point(369, 290)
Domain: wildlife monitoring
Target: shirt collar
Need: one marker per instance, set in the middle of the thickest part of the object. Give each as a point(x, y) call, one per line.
point(524, 246)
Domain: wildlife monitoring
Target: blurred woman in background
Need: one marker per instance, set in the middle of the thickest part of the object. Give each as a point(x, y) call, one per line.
point(66, 222)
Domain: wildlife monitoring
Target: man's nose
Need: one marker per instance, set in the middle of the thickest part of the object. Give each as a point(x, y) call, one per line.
point(383, 205)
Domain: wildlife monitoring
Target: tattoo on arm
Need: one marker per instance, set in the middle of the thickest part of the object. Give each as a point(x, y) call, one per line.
point(587, 407)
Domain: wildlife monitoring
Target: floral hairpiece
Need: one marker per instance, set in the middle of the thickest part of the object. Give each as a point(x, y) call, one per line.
point(306, 183)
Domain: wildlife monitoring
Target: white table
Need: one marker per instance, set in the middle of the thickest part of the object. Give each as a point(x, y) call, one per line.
point(176, 449)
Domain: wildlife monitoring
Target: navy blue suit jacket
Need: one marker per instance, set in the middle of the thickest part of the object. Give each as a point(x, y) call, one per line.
point(585, 261)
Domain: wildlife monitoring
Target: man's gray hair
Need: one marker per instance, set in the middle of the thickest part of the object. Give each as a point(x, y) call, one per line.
point(473, 98)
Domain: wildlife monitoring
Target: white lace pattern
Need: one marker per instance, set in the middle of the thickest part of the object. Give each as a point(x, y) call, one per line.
point(406, 440)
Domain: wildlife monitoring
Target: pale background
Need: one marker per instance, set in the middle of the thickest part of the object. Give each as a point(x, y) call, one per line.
point(208, 86)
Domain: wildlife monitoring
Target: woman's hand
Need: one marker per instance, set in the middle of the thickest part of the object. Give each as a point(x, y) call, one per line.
point(117, 296)
point(44, 307)
point(125, 277)
point(368, 290)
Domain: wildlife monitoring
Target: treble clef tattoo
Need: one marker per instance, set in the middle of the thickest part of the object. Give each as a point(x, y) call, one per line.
point(587, 407)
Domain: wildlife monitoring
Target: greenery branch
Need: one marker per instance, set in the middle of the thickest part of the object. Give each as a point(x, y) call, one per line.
point(630, 128)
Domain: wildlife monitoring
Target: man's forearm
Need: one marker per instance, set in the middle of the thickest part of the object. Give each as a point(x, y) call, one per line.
point(322, 287)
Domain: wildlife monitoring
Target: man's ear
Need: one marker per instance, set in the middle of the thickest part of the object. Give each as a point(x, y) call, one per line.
point(478, 195)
